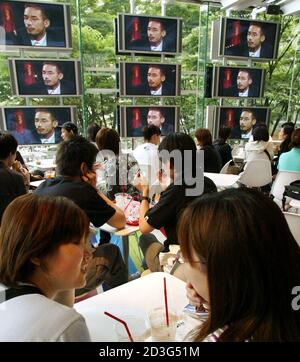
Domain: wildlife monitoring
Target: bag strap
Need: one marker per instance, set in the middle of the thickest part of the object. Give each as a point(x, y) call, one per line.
point(16, 292)
point(267, 153)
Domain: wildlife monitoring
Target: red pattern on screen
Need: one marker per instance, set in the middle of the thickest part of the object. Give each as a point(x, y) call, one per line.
point(8, 22)
point(229, 121)
point(136, 76)
point(135, 29)
point(29, 75)
point(236, 33)
point(19, 121)
point(136, 120)
point(227, 81)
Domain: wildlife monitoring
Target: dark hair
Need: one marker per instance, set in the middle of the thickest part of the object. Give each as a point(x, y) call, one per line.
point(55, 64)
point(296, 138)
point(108, 139)
point(249, 110)
point(39, 7)
point(203, 136)
point(35, 226)
point(149, 131)
point(92, 131)
point(157, 66)
point(224, 133)
point(158, 20)
point(8, 145)
point(252, 262)
point(179, 142)
point(290, 124)
point(70, 127)
point(260, 133)
point(285, 145)
point(71, 154)
point(246, 71)
point(255, 23)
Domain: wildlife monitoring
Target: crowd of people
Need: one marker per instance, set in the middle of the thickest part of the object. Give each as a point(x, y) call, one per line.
point(240, 261)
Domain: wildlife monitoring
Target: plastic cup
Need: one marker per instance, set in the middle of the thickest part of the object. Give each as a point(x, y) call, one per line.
point(160, 332)
point(122, 200)
point(136, 326)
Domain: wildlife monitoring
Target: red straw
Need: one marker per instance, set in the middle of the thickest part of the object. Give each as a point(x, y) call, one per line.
point(123, 322)
point(166, 301)
point(127, 204)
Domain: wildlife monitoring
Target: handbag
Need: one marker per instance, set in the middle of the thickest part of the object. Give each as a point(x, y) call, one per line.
point(292, 190)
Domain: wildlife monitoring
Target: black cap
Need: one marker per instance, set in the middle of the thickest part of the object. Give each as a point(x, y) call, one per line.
point(69, 126)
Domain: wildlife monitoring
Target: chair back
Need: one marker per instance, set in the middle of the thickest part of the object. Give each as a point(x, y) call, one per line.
point(224, 169)
point(257, 173)
point(283, 178)
point(293, 221)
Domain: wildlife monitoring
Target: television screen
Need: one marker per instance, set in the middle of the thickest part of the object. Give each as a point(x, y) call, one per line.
point(148, 35)
point(236, 82)
point(149, 79)
point(45, 77)
point(35, 25)
point(241, 38)
point(241, 120)
point(35, 125)
point(132, 119)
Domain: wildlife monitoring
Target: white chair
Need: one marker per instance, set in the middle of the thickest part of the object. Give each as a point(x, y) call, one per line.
point(225, 167)
point(257, 173)
point(282, 179)
point(293, 221)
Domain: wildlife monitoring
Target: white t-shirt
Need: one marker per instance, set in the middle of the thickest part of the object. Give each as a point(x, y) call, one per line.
point(35, 318)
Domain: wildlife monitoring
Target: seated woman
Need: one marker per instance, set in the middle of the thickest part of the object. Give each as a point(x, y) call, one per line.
point(43, 253)
point(242, 269)
point(290, 161)
point(113, 160)
point(222, 147)
point(285, 135)
point(260, 148)
point(68, 131)
point(212, 159)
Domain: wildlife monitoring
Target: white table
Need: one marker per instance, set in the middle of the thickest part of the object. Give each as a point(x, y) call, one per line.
point(295, 203)
point(222, 179)
point(36, 183)
point(139, 297)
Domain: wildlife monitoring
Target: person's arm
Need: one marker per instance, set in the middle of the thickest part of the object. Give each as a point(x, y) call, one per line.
point(118, 220)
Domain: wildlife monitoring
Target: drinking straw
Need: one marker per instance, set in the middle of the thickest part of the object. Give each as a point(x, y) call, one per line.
point(121, 321)
point(128, 204)
point(166, 301)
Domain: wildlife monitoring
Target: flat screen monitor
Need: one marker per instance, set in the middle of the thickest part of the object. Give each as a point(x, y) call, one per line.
point(43, 78)
point(153, 35)
point(36, 125)
point(132, 119)
point(241, 38)
point(241, 120)
point(238, 82)
point(39, 25)
point(149, 79)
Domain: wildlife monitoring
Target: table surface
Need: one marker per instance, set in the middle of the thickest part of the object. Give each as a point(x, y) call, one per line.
point(136, 297)
point(127, 230)
point(295, 203)
point(36, 183)
point(222, 179)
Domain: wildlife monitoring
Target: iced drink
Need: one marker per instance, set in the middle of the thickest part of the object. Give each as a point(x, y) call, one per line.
point(160, 332)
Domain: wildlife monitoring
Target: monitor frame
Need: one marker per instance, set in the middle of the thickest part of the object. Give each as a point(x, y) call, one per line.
point(3, 120)
point(215, 112)
point(216, 82)
point(15, 84)
point(122, 80)
point(121, 47)
point(67, 28)
point(223, 21)
point(122, 118)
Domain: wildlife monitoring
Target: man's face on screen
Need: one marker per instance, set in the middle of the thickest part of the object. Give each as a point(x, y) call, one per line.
point(35, 23)
point(51, 75)
point(155, 32)
point(243, 81)
point(155, 78)
point(155, 117)
point(255, 37)
point(247, 121)
point(44, 124)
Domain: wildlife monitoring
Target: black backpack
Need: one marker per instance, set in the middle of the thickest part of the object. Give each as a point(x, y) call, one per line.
point(292, 190)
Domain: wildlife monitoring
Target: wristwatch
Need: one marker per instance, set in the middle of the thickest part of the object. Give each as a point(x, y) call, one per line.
point(145, 198)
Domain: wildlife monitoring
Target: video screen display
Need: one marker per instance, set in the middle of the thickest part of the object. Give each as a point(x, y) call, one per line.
point(236, 82)
point(241, 120)
point(36, 125)
point(132, 119)
point(148, 35)
point(35, 25)
point(241, 38)
point(149, 79)
point(45, 77)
